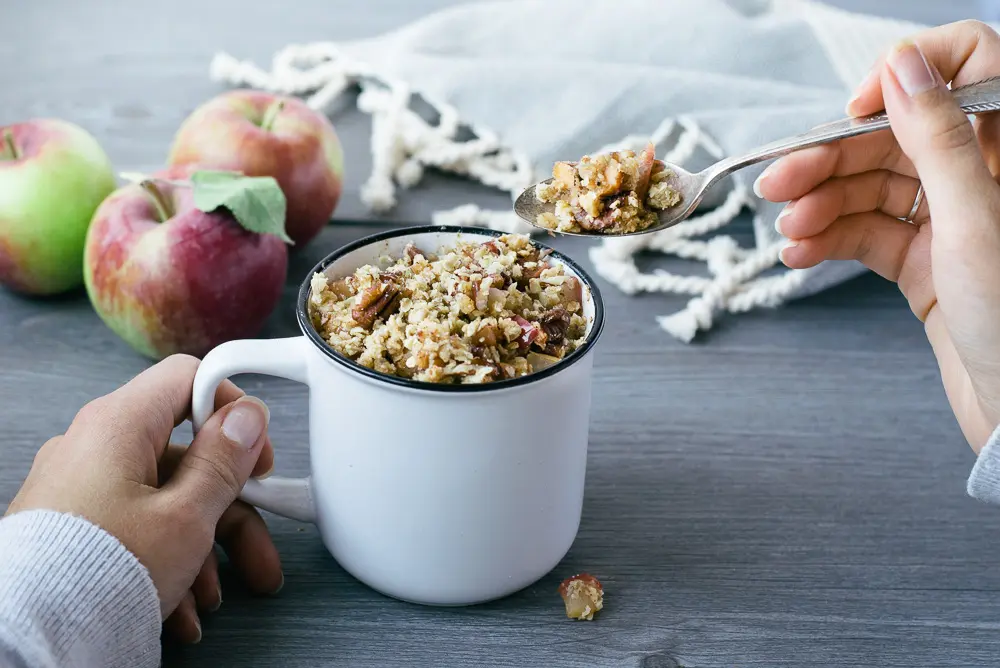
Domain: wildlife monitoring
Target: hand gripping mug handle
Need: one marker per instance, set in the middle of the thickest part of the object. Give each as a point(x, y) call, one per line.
point(285, 358)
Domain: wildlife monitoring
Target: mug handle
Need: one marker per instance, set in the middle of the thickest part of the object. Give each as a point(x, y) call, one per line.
point(285, 358)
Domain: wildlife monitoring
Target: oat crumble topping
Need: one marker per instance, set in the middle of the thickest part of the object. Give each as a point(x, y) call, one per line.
point(476, 313)
point(613, 193)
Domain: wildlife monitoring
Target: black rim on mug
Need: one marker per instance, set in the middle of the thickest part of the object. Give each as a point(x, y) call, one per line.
point(305, 323)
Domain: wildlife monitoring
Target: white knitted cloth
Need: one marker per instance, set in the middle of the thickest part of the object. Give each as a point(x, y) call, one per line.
point(542, 80)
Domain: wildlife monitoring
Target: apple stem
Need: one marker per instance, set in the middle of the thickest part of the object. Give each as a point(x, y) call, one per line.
point(272, 114)
point(159, 201)
point(10, 148)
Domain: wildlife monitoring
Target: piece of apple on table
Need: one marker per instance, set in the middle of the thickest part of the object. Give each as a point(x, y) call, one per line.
point(53, 176)
point(187, 259)
point(261, 134)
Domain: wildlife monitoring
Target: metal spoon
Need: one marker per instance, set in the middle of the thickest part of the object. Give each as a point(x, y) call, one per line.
point(975, 98)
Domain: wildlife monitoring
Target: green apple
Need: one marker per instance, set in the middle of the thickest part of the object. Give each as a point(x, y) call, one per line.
point(53, 176)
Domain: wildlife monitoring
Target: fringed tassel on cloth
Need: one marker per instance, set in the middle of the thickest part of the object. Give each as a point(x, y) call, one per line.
point(404, 145)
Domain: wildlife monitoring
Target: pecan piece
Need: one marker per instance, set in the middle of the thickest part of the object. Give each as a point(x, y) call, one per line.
point(528, 273)
point(530, 254)
point(411, 251)
point(378, 301)
point(501, 281)
point(340, 289)
point(555, 323)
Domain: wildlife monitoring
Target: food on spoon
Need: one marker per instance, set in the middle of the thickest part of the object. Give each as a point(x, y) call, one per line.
point(169, 277)
point(583, 596)
point(262, 134)
point(53, 176)
point(610, 193)
point(472, 312)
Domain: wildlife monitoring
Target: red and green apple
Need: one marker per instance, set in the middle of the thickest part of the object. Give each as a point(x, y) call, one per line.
point(169, 277)
point(261, 134)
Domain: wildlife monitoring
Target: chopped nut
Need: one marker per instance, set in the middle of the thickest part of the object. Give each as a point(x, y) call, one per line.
point(341, 288)
point(528, 273)
point(555, 324)
point(583, 596)
point(378, 301)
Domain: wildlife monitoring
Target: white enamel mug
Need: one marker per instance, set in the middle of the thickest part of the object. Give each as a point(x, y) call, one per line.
point(433, 494)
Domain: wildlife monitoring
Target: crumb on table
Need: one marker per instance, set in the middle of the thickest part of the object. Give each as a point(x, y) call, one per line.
point(583, 595)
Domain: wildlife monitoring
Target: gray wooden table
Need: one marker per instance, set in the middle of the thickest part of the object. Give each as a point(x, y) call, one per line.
point(788, 492)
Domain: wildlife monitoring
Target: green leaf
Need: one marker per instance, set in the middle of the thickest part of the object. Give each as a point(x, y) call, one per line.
point(256, 202)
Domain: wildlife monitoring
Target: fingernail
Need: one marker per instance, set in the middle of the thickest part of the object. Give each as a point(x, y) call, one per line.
point(197, 625)
point(861, 86)
point(784, 213)
point(781, 253)
point(763, 177)
point(912, 71)
point(849, 108)
point(246, 421)
point(281, 585)
point(218, 603)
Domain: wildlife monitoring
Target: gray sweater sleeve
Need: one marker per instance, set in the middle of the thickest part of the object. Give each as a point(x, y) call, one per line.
point(72, 595)
point(984, 481)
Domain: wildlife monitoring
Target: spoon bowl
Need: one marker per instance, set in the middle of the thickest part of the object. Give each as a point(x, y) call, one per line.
point(527, 205)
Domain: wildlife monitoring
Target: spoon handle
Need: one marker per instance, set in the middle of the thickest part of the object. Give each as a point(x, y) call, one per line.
point(974, 98)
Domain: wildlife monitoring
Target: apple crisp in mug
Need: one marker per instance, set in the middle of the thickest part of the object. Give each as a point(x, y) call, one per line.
point(477, 312)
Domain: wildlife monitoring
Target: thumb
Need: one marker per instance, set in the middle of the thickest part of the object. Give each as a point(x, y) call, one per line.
point(937, 136)
point(964, 204)
point(222, 456)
